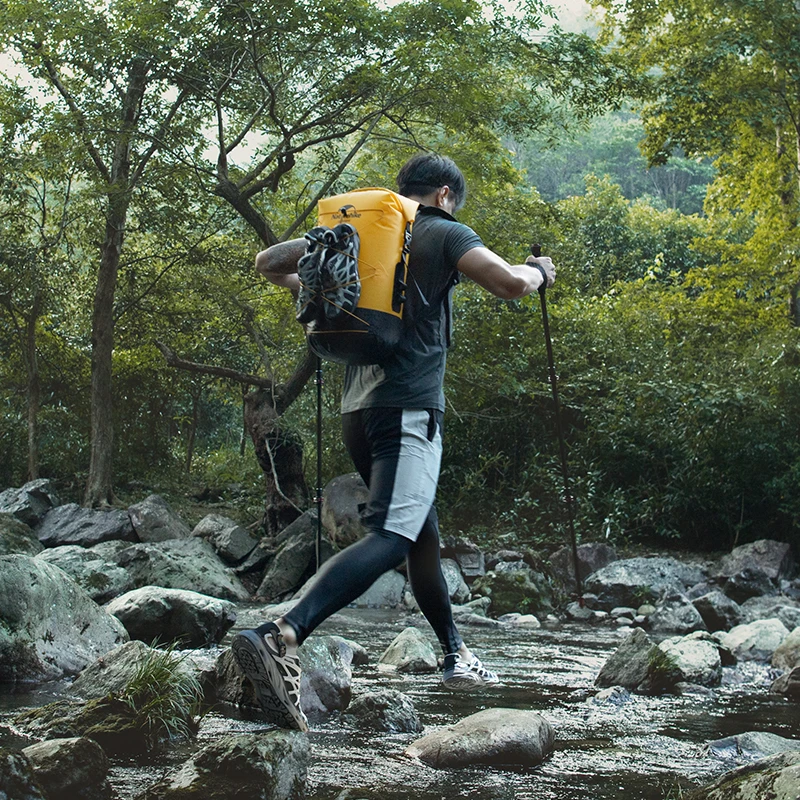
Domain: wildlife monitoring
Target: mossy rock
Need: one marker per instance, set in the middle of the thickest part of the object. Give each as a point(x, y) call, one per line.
point(520, 590)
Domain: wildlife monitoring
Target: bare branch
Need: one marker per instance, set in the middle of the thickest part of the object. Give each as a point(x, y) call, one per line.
point(173, 360)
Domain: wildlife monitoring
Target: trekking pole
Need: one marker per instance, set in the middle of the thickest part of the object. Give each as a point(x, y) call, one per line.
point(536, 250)
point(318, 497)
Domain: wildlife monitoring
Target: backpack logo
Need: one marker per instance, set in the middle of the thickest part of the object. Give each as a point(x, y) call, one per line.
point(346, 212)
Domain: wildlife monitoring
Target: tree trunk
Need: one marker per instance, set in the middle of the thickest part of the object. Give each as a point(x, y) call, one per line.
point(192, 431)
point(34, 388)
point(280, 456)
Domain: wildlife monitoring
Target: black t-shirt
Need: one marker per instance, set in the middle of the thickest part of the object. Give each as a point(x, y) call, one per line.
point(414, 375)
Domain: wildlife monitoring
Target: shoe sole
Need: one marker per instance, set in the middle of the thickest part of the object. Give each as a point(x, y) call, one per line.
point(261, 669)
point(468, 682)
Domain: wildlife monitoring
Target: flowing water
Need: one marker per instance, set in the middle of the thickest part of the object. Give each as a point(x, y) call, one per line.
point(648, 748)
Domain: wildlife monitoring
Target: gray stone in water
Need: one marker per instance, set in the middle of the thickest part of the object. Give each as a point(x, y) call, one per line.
point(49, 627)
point(592, 556)
point(85, 527)
point(696, 656)
point(756, 641)
point(783, 608)
point(342, 500)
point(326, 676)
point(514, 587)
point(411, 651)
point(788, 684)
point(386, 592)
point(613, 696)
point(30, 502)
point(154, 521)
point(638, 665)
point(456, 585)
point(385, 710)
point(676, 614)
point(190, 619)
point(787, 654)
point(74, 768)
point(767, 556)
point(293, 562)
point(632, 581)
point(17, 538)
point(110, 673)
point(265, 766)
point(231, 541)
point(17, 778)
point(752, 745)
point(496, 737)
point(718, 611)
point(521, 621)
point(776, 777)
point(351, 652)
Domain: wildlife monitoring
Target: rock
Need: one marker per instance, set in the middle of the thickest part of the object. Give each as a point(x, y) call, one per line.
point(521, 621)
point(154, 521)
point(85, 527)
point(766, 556)
point(94, 569)
point(638, 665)
point(467, 555)
point(676, 613)
point(351, 651)
point(190, 619)
point(231, 541)
point(229, 685)
point(110, 673)
point(294, 561)
point(787, 654)
point(456, 585)
point(776, 778)
point(788, 684)
point(342, 501)
point(17, 538)
point(782, 608)
point(386, 592)
point(506, 556)
point(30, 502)
point(495, 737)
point(696, 656)
point(718, 611)
point(756, 641)
point(72, 769)
point(633, 581)
point(411, 651)
point(17, 778)
point(326, 676)
point(385, 710)
point(517, 589)
point(49, 627)
point(259, 557)
point(581, 613)
point(592, 556)
point(181, 564)
point(613, 696)
point(259, 766)
point(623, 611)
point(752, 745)
point(748, 583)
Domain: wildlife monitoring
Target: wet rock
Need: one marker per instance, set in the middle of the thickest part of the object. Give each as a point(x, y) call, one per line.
point(190, 619)
point(411, 651)
point(787, 654)
point(85, 527)
point(94, 569)
point(776, 778)
point(515, 588)
point(495, 737)
point(386, 592)
point(71, 769)
point(696, 656)
point(613, 696)
point(521, 621)
point(718, 611)
point(633, 581)
point(748, 583)
point(756, 641)
point(467, 555)
point(582, 613)
point(783, 608)
point(110, 673)
point(385, 710)
point(17, 538)
point(756, 568)
point(231, 541)
point(351, 652)
point(676, 613)
point(30, 502)
point(456, 585)
point(154, 521)
point(264, 766)
point(342, 501)
point(326, 676)
point(788, 684)
point(229, 685)
point(592, 557)
point(638, 664)
point(49, 627)
point(258, 558)
point(752, 746)
point(17, 778)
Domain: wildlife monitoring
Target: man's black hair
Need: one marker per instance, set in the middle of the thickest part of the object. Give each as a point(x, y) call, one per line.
point(426, 172)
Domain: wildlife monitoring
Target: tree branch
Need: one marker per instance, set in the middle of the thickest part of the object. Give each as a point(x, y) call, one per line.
point(173, 360)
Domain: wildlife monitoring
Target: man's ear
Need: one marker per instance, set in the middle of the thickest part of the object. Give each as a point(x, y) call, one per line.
point(442, 193)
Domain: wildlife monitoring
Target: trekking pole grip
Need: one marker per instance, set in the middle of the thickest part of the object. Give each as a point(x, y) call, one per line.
point(536, 251)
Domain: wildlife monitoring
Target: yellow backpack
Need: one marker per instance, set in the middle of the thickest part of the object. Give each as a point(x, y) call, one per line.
point(354, 274)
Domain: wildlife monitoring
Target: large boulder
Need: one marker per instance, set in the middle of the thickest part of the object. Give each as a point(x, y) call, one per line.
point(386, 592)
point(675, 613)
point(639, 665)
point(112, 672)
point(783, 608)
point(326, 676)
point(257, 766)
point(634, 581)
point(718, 611)
point(154, 521)
point(776, 778)
point(342, 501)
point(787, 654)
point(17, 778)
point(696, 657)
point(456, 585)
point(385, 710)
point(756, 641)
point(71, 769)
point(17, 538)
point(410, 651)
point(294, 561)
point(592, 557)
point(514, 587)
point(755, 569)
point(30, 502)
point(231, 541)
point(752, 745)
point(788, 684)
point(467, 555)
point(190, 619)
point(49, 627)
point(495, 737)
point(85, 527)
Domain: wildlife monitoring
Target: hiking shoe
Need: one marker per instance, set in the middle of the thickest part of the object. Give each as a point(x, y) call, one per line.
point(309, 271)
point(341, 286)
point(261, 655)
point(461, 675)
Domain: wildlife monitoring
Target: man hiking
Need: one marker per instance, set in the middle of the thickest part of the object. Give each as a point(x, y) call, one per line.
point(392, 417)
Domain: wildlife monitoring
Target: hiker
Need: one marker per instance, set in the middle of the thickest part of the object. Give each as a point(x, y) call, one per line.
point(392, 417)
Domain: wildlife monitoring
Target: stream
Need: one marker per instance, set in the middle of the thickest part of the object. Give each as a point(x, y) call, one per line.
point(648, 748)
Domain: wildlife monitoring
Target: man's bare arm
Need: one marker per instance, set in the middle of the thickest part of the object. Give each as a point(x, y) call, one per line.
point(508, 281)
point(278, 264)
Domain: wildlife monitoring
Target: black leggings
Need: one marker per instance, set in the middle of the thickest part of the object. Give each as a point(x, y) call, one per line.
point(351, 572)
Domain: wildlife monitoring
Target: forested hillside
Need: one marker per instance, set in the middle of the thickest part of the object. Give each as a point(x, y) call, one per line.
point(150, 149)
